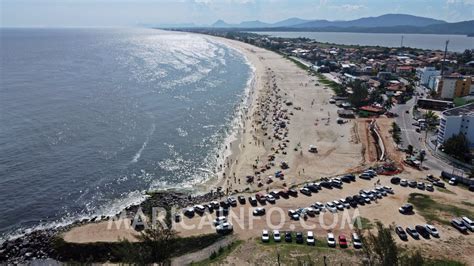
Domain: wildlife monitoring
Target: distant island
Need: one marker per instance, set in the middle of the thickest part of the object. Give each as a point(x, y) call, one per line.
point(388, 23)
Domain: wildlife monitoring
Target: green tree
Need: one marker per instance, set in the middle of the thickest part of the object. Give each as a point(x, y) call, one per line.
point(458, 147)
point(359, 93)
point(431, 117)
point(380, 248)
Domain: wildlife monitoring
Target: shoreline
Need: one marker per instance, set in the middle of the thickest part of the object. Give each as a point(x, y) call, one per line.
point(282, 94)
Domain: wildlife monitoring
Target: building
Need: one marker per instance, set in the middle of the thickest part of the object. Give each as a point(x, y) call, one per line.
point(451, 87)
point(455, 121)
point(424, 74)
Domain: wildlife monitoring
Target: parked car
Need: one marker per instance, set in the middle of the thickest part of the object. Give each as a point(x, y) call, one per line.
point(331, 240)
point(412, 184)
point(299, 238)
point(406, 209)
point(189, 212)
point(412, 231)
point(270, 198)
point(292, 192)
point(401, 233)
point(395, 180)
point(265, 236)
point(459, 224)
point(258, 211)
point(305, 191)
point(224, 228)
point(232, 201)
point(403, 182)
point(288, 237)
point(338, 205)
point(432, 230)
point(331, 207)
point(365, 176)
point(293, 215)
point(241, 199)
point(276, 236)
point(422, 231)
point(439, 184)
point(342, 241)
point(429, 187)
point(219, 220)
point(253, 201)
point(199, 209)
point(310, 238)
point(421, 185)
point(356, 241)
point(453, 181)
point(468, 223)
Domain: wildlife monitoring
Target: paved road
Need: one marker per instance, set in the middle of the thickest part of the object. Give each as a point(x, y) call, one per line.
point(411, 137)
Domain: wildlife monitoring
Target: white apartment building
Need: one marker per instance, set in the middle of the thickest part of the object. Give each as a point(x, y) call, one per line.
point(425, 73)
point(457, 120)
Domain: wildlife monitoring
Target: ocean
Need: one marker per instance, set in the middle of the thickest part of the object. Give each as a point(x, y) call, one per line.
point(457, 43)
point(90, 119)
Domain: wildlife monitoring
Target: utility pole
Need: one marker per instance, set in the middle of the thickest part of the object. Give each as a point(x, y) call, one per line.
point(444, 58)
point(401, 42)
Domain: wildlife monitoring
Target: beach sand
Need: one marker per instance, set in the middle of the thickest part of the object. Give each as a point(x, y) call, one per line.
point(285, 94)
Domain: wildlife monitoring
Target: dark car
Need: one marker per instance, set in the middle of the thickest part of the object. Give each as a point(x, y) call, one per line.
point(395, 180)
point(421, 229)
point(299, 238)
point(412, 184)
point(253, 201)
point(439, 184)
point(401, 233)
point(345, 179)
point(406, 209)
point(326, 184)
point(412, 231)
point(241, 199)
point(471, 188)
point(351, 177)
point(288, 237)
point(224, 204)
point(312, 187)
point(293, 192)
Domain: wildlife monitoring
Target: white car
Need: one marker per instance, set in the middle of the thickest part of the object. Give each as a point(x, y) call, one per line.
point(276, 236)
point(219, 220)
point(468, 223)
point(345, 203)
point(403, 183)
point(224, 228)
point(331, 240)
point(432, 230)
point(265, 236)
point(356, 241)
point(331, 207)
point(270, 198)
point(452, 181)
point(310, 238)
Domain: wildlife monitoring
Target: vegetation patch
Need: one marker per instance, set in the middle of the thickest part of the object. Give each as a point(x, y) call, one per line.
point(467, 203)
point(431, 209)
point(362, 223)
point(220, 255)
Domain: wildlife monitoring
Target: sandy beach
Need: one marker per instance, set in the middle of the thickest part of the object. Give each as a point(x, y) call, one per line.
point(289, 112)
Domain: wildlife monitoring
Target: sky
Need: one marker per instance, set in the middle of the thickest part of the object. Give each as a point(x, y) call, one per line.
point(112, 13)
